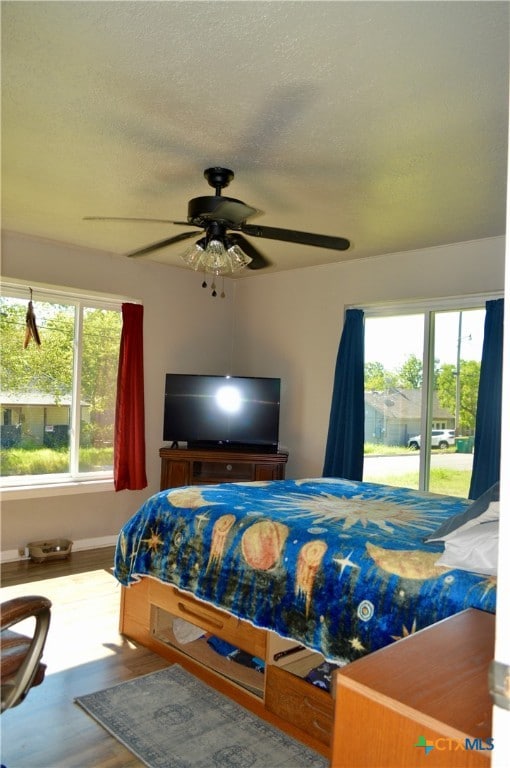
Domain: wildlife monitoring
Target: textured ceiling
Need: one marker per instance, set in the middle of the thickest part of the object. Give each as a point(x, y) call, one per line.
point(383, 122)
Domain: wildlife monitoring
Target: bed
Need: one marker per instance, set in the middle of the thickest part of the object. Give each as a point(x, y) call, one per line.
point(339, 567)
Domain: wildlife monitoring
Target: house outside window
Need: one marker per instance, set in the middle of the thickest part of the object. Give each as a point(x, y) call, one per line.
point(58, 399)
point(422, 367)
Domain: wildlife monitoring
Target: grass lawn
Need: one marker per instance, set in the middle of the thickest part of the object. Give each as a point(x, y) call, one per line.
point(378, 449)
point(46, 461)
point(450, 482)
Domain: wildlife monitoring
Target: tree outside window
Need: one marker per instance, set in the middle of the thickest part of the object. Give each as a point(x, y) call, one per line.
point(58, 399)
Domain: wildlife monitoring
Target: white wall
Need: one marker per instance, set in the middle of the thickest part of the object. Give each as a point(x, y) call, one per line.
point(289, 325)
point(286, 324)
point(185, 331)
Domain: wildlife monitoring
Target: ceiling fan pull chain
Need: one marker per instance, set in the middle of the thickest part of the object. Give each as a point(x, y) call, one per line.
point(213, 289)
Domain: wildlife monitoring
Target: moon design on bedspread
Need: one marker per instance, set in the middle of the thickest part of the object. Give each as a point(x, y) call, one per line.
point(409, 564)
point(262, 544)
point(187, 498)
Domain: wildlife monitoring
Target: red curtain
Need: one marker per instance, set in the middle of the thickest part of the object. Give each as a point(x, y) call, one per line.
point(129, 446)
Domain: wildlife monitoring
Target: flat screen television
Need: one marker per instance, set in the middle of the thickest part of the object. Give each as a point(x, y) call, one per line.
point(236, 412)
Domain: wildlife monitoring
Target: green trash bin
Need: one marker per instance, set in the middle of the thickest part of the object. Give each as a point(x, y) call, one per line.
point(464, 444)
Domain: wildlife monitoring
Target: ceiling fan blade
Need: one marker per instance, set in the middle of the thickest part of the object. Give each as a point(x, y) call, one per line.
point(123, 218)
point(293, 236)
point(162, 244)
point(258, 260)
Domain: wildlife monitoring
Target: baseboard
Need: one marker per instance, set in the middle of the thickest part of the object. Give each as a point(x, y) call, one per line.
point(11, 555)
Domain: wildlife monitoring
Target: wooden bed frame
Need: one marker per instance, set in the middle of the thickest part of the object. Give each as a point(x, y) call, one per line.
point(433, 682)
point(282, 697)
point(148, 610)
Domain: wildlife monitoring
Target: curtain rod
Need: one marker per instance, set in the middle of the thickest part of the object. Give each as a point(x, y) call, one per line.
point(44, 289)
point(410, 306)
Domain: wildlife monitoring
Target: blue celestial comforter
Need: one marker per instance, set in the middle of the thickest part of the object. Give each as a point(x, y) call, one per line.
point(336, 565)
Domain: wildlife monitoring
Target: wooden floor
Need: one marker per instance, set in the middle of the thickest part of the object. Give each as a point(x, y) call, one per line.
point(84, 653)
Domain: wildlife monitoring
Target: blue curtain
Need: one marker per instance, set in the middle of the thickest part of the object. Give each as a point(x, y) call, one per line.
point(487, 448)
point(346, 435)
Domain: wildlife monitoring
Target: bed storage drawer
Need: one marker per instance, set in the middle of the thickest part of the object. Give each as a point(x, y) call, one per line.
point(196, 646)
point(211, 619)
point(299, 702)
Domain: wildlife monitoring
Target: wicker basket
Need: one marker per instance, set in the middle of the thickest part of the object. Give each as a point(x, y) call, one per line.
point(51, 549)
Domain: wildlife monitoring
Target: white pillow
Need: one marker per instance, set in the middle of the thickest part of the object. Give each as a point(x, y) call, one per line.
point(473, 548)
point(490, 515)
point(475, 512)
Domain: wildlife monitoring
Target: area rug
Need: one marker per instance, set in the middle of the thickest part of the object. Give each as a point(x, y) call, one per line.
point(170, 719)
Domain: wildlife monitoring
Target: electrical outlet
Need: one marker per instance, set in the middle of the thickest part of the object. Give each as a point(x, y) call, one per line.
point(21, 551)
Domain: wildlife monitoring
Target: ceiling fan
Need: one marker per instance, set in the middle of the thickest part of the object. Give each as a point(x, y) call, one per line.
point(224, 221)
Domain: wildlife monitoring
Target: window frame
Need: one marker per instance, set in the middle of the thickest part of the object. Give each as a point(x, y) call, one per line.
point(74, 481)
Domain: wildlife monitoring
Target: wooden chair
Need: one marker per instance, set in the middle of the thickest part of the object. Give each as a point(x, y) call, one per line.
point(20, 656)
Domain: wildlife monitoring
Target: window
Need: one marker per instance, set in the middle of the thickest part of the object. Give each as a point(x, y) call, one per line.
point(57, 399)
point(422, 367)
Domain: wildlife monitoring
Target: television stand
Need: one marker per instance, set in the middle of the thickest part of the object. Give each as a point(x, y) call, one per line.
point(188, 466)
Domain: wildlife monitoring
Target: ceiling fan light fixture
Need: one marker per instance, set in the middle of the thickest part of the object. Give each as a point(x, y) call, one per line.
point(216, 256)
point(193, 254)
point(238, 258)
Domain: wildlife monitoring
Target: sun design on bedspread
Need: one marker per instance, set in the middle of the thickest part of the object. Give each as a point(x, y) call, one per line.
point(405, 632)
point(356, 644)
point(356, 509)
point(154, 541)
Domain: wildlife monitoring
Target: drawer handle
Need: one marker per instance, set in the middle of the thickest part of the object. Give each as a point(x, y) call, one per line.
point(311, 705)
point(200, 617)
point(318, 727)
point(288, 652)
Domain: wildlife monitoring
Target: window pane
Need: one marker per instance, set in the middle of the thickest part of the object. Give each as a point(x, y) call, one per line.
point(51, 424)
point(395, 401)
point(457, 358)
point(100, 353)
point(36, 389)
point(393, 398)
